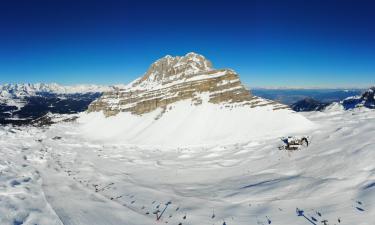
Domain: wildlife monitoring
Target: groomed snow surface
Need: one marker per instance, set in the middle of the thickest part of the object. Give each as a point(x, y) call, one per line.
point(59, 176)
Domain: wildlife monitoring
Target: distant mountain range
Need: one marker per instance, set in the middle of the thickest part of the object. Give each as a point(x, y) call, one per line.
point(14, 94)
point(23, 103)
point(366, 100)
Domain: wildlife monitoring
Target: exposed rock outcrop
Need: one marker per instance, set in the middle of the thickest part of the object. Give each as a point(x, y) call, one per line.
point(172, 79)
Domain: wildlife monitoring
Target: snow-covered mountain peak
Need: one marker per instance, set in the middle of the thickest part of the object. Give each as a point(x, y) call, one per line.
point(173, 79)
point(369, 94)
point(171, 68)
point(184, 101)
point(189, 58)
point(367, 100)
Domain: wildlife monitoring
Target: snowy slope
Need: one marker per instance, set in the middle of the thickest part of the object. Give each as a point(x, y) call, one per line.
point(78, 182)
point(22, 200)
point(185, 124)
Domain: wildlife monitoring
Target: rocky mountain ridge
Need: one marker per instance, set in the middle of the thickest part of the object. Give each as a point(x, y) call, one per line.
point(172, 79)
point(364, 100)
point(367, 100)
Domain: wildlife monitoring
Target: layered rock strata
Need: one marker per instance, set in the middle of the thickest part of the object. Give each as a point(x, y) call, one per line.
point(172, 79)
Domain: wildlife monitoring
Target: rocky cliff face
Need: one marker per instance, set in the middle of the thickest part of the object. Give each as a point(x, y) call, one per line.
point(172, 79)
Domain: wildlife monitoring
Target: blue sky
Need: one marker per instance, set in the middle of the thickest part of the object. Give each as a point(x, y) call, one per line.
point(312, 43)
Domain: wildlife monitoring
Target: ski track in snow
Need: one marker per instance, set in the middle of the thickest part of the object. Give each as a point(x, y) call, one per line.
point(47, 180)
